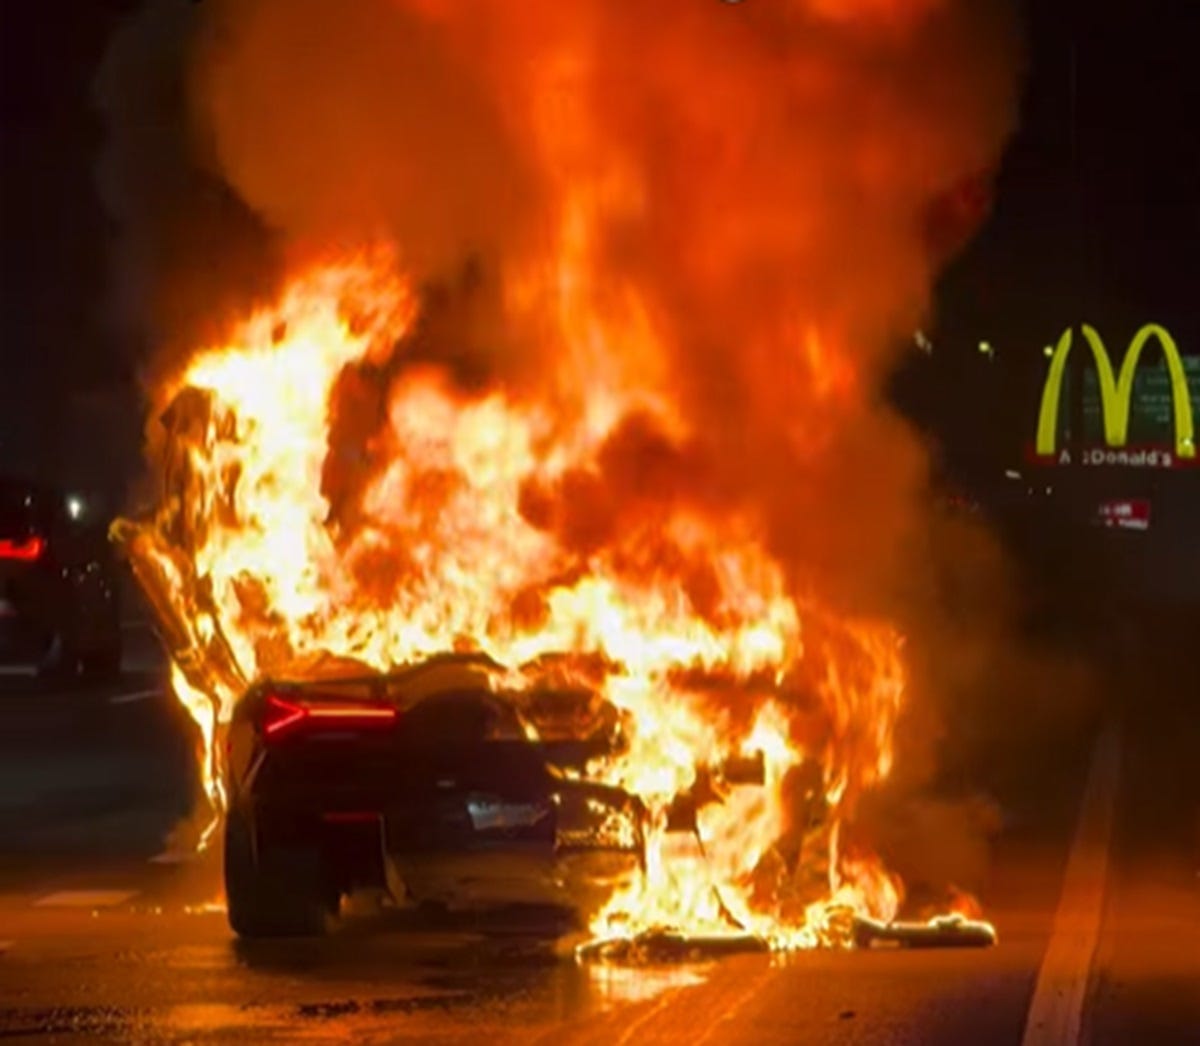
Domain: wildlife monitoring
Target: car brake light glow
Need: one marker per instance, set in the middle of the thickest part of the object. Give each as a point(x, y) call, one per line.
point(283, 714)
point(26, 551)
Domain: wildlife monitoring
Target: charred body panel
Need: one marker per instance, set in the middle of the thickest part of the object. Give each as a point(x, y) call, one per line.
point(444, 797)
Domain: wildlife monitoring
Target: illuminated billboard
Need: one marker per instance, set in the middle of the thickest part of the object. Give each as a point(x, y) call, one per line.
point(1147, 403)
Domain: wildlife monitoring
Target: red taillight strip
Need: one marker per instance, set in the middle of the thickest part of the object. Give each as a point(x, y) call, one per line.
point(283, 714)
point(287, 714)
point(26, 551)
point(353, 712)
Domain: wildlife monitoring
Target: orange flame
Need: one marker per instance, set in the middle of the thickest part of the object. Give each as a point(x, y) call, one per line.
point(702, 646)
point(693, 247)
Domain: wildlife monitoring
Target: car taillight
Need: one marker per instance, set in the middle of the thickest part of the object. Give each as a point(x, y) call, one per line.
point(26, 551)
point(286, 715)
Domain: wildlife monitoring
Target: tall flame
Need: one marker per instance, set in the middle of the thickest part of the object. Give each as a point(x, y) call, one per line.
point(600, 399)
point(682, 619)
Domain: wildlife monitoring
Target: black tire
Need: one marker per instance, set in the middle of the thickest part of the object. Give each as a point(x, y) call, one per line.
point(281, 894)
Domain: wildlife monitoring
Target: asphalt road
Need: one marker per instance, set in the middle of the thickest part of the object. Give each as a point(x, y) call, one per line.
point(103, 934)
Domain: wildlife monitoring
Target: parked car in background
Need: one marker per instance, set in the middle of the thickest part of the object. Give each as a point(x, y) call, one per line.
point(58, 583)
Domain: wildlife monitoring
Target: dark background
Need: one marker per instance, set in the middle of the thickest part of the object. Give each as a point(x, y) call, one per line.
point(1097, 218)
point(68, 397)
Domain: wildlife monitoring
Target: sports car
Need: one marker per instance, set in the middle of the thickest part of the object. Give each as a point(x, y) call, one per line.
point(431, 786)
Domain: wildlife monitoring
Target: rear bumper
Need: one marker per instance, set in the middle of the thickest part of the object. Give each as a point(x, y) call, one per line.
point(420, 853)
point(533, 877)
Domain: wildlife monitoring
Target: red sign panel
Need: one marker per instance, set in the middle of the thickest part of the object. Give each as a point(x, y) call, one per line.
point(1124, 514)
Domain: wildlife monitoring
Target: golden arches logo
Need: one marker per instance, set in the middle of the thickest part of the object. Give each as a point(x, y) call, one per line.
point(1117, 391)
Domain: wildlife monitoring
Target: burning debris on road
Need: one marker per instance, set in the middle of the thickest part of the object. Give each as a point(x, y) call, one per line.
point(574, 362)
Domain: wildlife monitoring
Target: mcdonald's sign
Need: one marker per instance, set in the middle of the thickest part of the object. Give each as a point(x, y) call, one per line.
point(1116, 395)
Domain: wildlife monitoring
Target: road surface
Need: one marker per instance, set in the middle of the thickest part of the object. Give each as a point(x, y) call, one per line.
point(103, 934)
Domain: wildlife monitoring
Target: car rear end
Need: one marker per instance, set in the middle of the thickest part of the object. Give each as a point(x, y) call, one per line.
point(441, 798)
point(58, 588)
point(30, 591)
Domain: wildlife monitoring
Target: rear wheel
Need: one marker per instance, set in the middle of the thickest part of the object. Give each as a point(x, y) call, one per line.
point(280, 894)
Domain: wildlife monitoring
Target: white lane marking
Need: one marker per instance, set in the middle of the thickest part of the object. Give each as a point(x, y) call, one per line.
point(135, 695)
point(85, 899)
point(1055, 1015)
point(633, 1031)
point(720, 1029)
point(18, 670)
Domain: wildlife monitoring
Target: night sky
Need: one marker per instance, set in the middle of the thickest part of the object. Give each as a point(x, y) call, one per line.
point(1097, 217)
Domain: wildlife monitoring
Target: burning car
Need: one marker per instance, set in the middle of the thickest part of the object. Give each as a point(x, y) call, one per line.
point(433, 786)
point(303, 576)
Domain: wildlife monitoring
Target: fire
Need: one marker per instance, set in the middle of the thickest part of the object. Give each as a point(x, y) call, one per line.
point(600, 399)
point(447, 545)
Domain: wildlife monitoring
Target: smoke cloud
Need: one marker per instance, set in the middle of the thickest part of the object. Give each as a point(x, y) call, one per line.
point(762, 174)
point(768, 188)
point(186, 251)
